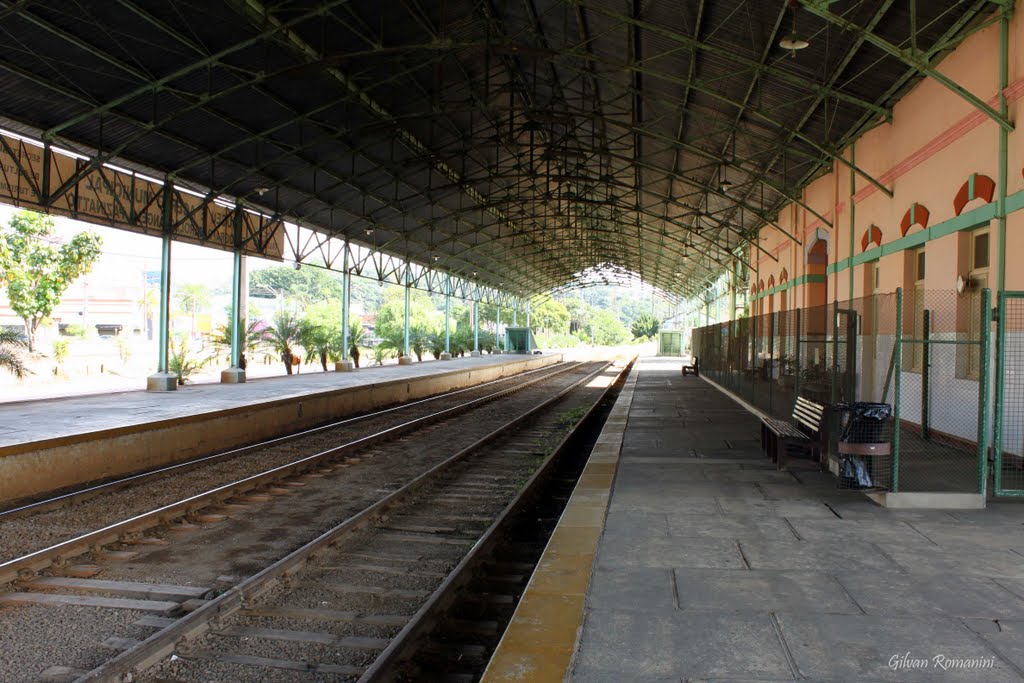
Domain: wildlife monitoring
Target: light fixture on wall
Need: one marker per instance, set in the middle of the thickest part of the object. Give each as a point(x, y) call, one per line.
point(793, 42)
point(963, 283)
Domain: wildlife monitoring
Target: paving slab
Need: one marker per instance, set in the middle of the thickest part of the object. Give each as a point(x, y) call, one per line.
point(950, 595)
point(761, 591)
point(904, 649)
point(683, 645)
point(715, 566)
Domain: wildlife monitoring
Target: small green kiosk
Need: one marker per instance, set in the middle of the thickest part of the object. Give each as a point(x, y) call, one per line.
point(519, 340)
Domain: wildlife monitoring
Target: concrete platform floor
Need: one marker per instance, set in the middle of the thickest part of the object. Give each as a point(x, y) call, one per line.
point(31, 421)
point(715, 566)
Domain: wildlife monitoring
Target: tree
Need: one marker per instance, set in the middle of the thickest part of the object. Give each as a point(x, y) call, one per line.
point(645, 325)
point(356, 335)
point(191, 297)
point(550, 316)
point(183, 361)
point(608, 329)
point(281, 334)
point(10, 358)
point(36, 271)
point(148, 303)
point(307, 285)
point(424, 319)
point(252, 336)
point(320, 330)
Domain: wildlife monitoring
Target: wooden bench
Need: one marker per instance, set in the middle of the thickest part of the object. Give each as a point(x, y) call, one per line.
point(692, 369)
point(806, 432)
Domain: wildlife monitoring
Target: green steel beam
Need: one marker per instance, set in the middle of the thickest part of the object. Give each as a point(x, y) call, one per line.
point(910, 58)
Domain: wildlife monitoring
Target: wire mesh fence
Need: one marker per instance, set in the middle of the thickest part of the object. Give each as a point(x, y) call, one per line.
point(1009, 401)
point(914, 360)
point(941, 363)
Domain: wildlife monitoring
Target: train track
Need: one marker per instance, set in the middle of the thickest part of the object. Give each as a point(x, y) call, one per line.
point(287, 457)
point(370, 421)
point(451, 639)
point(153, 534)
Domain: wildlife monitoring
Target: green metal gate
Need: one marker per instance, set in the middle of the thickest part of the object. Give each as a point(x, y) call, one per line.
point(1008, 427)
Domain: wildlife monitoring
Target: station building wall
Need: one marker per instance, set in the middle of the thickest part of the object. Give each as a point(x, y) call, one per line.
point(936, 146)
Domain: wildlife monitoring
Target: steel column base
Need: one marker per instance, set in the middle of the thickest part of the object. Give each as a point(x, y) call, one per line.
point(344, 366)
point(446, 356)
point(162, 381)
point(405, 360)
point(232, 376)
point(474, 354)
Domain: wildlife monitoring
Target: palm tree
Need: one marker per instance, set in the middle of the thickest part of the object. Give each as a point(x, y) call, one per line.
point(281, 334)
point(356, 335)
point(10, 359)
point(316, 338)
point(192, 297)
point(252, 336)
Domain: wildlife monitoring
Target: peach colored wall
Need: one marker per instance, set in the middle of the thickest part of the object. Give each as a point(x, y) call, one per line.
point(934, 142)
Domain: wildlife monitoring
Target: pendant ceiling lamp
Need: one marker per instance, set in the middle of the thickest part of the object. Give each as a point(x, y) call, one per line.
point(793, 41)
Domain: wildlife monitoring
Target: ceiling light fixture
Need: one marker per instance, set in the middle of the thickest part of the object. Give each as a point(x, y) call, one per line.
point(793, 42)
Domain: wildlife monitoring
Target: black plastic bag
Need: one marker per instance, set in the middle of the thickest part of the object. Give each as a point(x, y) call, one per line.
point(864, 422)
point(853, 473)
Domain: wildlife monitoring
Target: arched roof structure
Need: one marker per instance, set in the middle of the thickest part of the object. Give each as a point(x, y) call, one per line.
point(515, 144)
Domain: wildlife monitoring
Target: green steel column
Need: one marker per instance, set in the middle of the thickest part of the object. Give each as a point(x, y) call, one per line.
point(408, 294)
point(771, 359)
point(529, 331)
point(497, 329)
point(997, 416)
point(236, 309)
point(732, 290)
point(853, 219)
point(897, 381)
point(797, 355)
point(447, 319)
point(476, 326)
point(1004, 41)
point(835, 351)
point(983, 390)
point(346, 293)
point(165, 302)
point(515, 315)
point(926, 361)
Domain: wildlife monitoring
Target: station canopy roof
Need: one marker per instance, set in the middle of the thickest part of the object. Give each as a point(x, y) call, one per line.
point(517, 143)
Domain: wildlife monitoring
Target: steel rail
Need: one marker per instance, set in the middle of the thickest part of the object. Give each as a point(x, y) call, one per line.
point(154, 649)
point(385, 667)
point(106, 487)
point(35, 561)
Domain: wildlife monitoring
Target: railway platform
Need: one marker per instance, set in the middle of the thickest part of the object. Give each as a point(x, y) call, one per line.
point(48, 445)
point(685, 555)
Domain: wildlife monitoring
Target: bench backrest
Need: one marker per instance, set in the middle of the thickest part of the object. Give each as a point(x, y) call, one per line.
point(809, 414)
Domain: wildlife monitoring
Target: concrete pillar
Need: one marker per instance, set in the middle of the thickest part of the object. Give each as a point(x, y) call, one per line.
point(476, 328)
point(163, 380)
point(237, 325)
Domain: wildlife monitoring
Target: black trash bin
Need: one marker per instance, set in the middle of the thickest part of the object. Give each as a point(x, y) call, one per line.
point(865, 444)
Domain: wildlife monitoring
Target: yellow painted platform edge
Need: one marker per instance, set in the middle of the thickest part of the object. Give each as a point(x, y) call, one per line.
point(96, 435)
point(541, 640)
